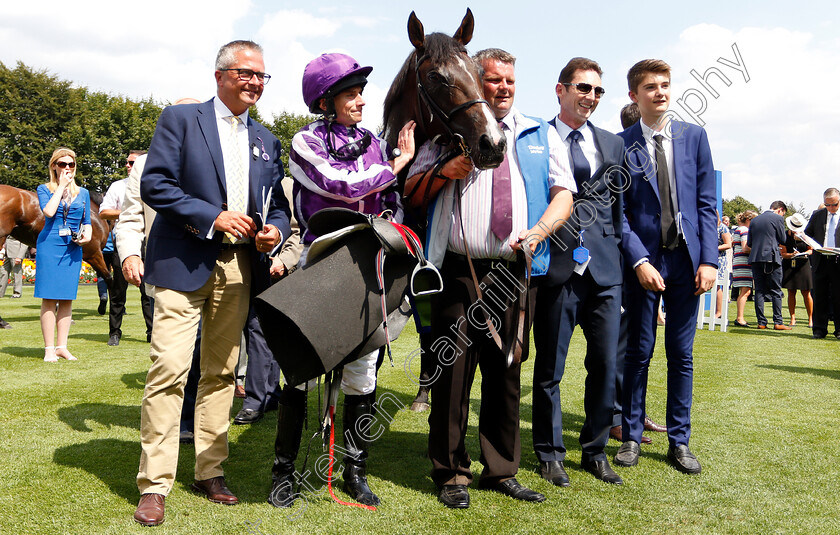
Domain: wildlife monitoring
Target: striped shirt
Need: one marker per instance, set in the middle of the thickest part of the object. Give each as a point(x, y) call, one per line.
point(477, 196)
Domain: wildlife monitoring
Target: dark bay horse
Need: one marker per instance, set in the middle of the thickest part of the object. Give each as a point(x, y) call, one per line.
point(21, 217)
point(439, 87)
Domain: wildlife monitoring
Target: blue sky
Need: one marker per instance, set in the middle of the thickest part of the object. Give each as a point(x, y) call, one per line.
point(774, 136)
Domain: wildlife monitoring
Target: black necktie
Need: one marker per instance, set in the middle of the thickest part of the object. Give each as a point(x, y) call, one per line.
point(666, 221)
point(580, 165)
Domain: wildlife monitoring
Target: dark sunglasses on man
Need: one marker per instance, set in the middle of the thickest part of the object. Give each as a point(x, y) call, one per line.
point(584, 89)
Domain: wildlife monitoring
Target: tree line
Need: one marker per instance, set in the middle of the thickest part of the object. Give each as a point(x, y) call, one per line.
point(733, 207)
point(40, 112)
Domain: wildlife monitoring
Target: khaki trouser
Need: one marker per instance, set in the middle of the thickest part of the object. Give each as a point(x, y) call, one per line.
point(222, 305)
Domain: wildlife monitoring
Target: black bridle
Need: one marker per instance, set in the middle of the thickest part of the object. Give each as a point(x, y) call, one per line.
point(423, 97)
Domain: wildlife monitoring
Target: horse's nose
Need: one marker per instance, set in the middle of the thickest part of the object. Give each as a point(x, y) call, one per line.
point(491, 153)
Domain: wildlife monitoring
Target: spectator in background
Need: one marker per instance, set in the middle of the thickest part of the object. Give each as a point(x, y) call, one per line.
point(630, 115)
point(765, 240)
point(12, 266)
point(110, 210)
point(796, 269)
point(741, 271)
point(262, 375)
point(58, 261)
point(724, 244)
point(824, 228)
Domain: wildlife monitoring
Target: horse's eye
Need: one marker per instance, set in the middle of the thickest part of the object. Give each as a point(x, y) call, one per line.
point(436, 77)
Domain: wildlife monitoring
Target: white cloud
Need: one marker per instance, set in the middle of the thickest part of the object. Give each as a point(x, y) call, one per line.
point(773, 137)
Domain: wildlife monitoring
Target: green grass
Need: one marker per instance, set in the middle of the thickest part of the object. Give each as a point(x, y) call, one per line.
point(766, 408)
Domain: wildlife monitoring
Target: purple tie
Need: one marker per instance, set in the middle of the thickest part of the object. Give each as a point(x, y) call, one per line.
point(501, 221)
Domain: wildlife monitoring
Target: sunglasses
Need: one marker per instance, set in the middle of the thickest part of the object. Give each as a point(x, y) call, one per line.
point(129, 163)
point(584, 89)
point(832, 204)
point(62, 165)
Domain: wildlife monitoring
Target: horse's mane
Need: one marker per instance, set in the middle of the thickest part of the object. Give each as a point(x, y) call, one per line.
point(439, 47)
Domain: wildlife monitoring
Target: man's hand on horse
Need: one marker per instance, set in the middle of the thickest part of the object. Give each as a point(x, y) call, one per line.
point(458, 168)
point(132, 268)
point(235, 223)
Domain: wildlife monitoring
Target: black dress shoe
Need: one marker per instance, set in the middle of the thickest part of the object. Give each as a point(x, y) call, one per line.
point(282, 491)
point(741, 323)
point(114, 340)
point(513, 488)
point(103, 302)
point(454, 496)
point(248, 416)
point(554, 472)
point(5, 324)
point(186, 437)
point(628, 454)
point(602, 470)
point(683, 460)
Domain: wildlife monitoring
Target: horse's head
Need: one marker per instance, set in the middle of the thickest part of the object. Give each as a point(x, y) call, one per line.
point(450, 99)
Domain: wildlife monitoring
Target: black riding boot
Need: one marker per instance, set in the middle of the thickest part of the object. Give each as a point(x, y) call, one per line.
point(291, 412)
point(357, 445)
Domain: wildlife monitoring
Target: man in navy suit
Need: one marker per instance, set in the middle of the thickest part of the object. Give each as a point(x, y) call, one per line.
point(671, 244)
point(209, 173)
point(583, 284)
point(824, 227)
point(767, 233)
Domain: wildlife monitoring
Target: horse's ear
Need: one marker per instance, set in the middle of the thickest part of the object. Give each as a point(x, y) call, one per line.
point(464, 32)
point(415, 31)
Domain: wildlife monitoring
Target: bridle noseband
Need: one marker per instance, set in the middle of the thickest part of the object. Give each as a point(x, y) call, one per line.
point(434, 109)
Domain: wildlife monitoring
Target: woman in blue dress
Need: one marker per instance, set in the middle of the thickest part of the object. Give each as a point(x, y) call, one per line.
point(58, 260)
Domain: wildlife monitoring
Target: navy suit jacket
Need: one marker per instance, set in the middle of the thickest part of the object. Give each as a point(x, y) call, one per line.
point(184, 181)
point(696, 196)
point(599, 211)
point(767, 232)
point(816, 229)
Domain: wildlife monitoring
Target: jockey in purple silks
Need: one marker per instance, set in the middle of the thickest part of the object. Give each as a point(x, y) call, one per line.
point(336, 163)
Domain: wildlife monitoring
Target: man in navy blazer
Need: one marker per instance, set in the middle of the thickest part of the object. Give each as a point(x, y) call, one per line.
point(767, 233)
point(213, 176)
point(583, 283)
point(826, 267)
point(671, 244)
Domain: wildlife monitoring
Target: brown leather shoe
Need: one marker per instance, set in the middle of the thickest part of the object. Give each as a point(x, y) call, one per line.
point(650, 425)
point(781, 327)
point(216, 490)
point(762, 326)
point(149, 511)
point(615, 434)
